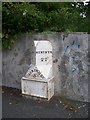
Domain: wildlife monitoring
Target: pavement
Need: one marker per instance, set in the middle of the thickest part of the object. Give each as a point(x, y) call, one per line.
point(14, 105)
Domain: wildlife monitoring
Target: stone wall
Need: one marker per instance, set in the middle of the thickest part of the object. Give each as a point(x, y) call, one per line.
point(16, 62)
point(70, 62)
point(0, 63)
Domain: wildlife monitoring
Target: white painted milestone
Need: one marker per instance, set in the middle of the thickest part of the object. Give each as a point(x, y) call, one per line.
point(39, 81)
point(44, 57)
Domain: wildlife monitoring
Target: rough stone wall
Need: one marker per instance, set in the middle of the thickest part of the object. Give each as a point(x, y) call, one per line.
point(73, 67)
point(0, 63)
point(15, 62)
point(70, 62)
point(0, 69)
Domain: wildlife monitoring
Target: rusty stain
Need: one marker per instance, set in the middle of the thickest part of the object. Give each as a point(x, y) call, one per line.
point(51, 81)
point(50, 90)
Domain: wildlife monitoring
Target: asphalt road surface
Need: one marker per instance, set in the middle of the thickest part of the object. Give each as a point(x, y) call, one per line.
point(14, 105)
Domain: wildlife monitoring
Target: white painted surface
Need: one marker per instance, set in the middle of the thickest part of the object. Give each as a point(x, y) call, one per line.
point(43, 45)
point(34, 88)
point(40, 88)
point(44, 57)
point(43, 53)
point(38, 80)
point(34, 73)
point(45, 70)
